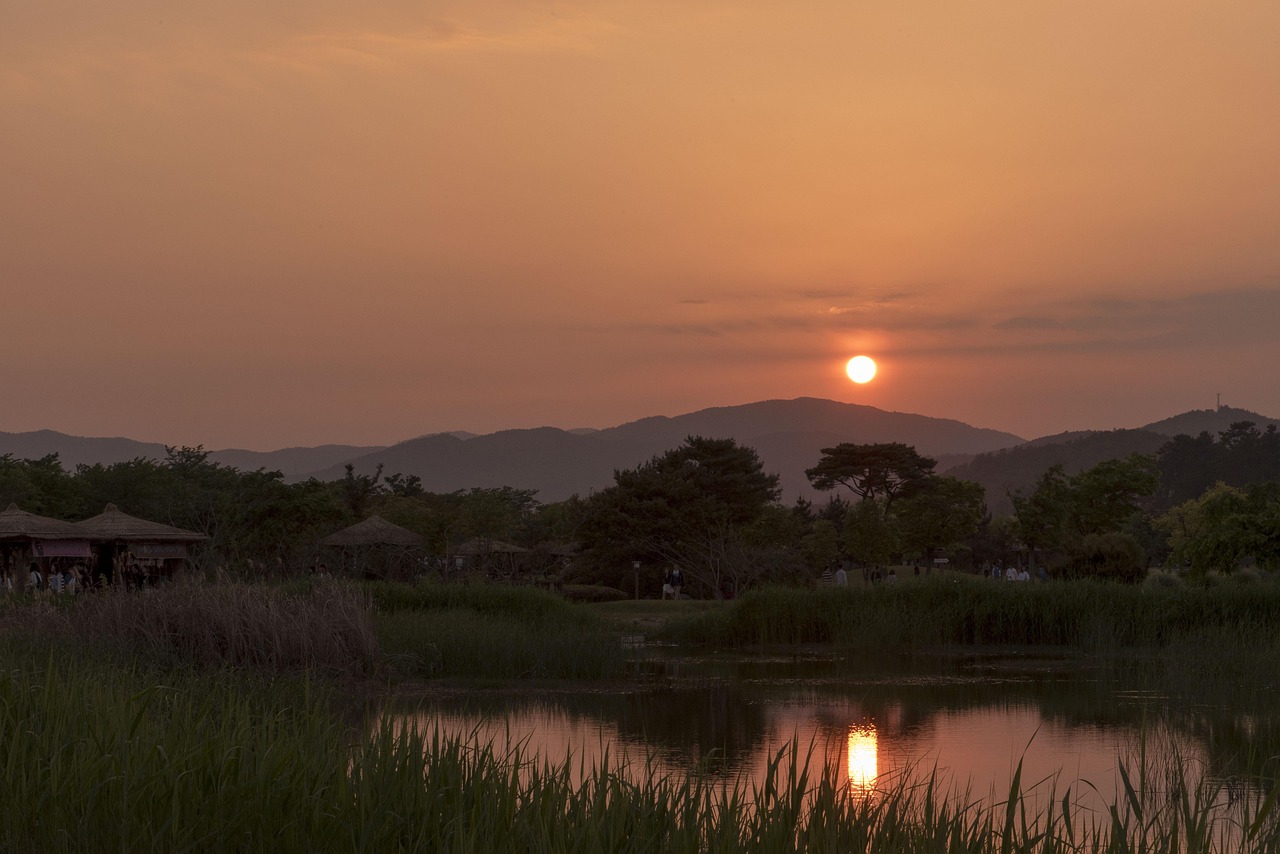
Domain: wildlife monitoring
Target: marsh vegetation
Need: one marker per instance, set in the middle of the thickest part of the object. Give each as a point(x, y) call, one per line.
point(232, 717)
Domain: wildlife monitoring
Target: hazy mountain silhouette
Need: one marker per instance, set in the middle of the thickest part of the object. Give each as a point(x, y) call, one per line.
point(75, 450)
point(1214, 421)
point(83, 450)
point(292, 462)
point(788, 434)
point(1018, 468)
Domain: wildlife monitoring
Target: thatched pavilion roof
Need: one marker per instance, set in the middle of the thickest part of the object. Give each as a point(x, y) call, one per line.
point(566, 550)
point(113, 524)
point(18, 524)
point(374, 531)
point(482, 547)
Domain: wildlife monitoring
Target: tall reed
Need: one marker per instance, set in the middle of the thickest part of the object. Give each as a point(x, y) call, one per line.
point(951, 611)
point(217, 626)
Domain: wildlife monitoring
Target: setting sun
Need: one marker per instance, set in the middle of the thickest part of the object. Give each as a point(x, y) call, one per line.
point(861, 369)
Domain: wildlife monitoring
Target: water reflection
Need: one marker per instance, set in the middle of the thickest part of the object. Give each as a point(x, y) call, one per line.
point(863, 760)
point(970, 721)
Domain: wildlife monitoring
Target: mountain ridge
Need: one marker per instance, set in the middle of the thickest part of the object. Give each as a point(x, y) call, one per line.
point(787, 434)
point(1016, 469)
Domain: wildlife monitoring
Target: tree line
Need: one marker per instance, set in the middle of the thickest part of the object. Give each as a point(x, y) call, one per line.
point(708, 506)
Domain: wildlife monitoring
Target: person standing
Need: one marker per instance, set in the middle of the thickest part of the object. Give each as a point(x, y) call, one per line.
point(677, 581)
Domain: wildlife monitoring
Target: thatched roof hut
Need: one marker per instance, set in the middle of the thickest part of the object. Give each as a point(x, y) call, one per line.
point(494, 557)
point(376, 548)
point(116, 525)
point(487, 547)
point(128, 543)
point(24, 534)
point(20, 526)
point(374, 531)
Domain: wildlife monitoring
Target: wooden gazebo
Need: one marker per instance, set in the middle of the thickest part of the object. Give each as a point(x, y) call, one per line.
point(26, 537)
point(378, 548)
point(125, 541)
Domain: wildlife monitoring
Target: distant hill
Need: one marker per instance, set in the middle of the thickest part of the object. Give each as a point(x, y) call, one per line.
point(76, 450)
point(81, 450)
point(1018, 469)
point(1063, 438)
point(788, 435)
point(1214, 421)
point(291, 462)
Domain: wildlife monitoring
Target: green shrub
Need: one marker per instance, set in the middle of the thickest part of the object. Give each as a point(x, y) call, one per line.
point(491, 631)
point(1111, 556)
point(463, 643)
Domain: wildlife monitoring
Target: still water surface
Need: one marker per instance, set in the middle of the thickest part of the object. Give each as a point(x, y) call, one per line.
point(971, 717)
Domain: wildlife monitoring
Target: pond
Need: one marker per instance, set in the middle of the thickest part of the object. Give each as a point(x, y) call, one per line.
point(969, 718)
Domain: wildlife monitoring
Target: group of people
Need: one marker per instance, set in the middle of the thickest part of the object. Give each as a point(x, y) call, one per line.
point(57, 577)
point(873, 575)
point(61, 576)
point(1010, 573)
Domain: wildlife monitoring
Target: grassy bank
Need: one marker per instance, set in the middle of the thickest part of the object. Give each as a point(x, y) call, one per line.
point(1230, 632)
point(96, 757)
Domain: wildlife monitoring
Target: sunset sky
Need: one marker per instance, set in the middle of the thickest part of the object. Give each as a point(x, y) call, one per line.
point(248, 224)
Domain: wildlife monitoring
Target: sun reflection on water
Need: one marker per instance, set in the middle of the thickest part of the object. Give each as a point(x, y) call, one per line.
point(862, 759)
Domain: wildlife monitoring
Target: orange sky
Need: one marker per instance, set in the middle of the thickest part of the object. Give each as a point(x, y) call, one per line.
point(265, 224)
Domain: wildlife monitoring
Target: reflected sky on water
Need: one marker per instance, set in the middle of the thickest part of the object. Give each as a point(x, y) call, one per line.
point(971, 719)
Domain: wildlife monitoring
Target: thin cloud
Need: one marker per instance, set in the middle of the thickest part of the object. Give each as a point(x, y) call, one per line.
point(826, 294)
point(1103, 325)
point(579, 35)
point(1202, 320)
